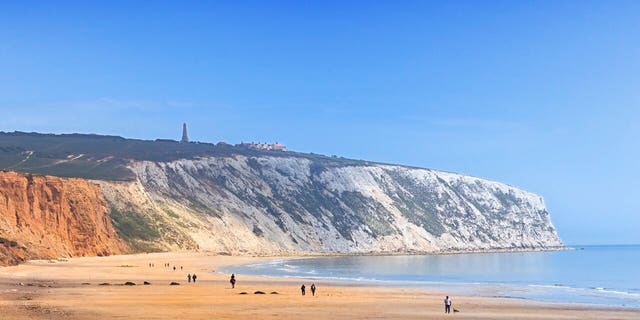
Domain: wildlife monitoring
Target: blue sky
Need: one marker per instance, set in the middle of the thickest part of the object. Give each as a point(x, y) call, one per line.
point(544, 95)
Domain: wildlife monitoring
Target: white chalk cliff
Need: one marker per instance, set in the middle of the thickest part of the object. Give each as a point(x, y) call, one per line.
point(290, 204)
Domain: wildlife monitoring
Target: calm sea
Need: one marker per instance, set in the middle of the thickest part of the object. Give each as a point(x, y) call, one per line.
point(589, 274)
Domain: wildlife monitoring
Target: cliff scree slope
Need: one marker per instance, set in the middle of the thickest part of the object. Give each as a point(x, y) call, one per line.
point(282, 205)
point(164, 195)
point(50, 217)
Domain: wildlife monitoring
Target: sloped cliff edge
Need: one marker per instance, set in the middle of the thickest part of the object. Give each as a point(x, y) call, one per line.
point(267, 205)
point(294, 205)
point(44, 217)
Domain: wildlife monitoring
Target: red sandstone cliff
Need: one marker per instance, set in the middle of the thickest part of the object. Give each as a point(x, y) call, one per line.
point(49, 217)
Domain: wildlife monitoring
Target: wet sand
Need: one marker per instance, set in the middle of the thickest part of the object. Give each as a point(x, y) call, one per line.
point(72, 289)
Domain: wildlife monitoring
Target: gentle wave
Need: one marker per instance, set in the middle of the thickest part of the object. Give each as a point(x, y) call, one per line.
point(416, 283)
point(537, 276)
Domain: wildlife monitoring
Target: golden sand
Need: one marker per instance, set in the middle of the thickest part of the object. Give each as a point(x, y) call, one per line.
point(71, 290)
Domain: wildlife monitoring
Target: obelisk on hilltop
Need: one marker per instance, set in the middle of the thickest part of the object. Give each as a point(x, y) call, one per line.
point(185, 137)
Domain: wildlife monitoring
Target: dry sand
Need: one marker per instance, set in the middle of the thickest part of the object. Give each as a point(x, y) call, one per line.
point(71, 290)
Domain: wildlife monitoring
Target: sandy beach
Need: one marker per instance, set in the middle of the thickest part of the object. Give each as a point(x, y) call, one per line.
point(76, 289)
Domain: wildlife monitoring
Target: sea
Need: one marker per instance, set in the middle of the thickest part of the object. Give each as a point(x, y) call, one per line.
point(602, 275)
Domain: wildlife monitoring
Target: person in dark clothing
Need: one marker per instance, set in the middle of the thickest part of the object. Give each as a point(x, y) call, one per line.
point(303, 289)
point(174, 268)
point(447, 305)
point(233, 281)
point(313, 289)
point(194, 278)
point(189, 277)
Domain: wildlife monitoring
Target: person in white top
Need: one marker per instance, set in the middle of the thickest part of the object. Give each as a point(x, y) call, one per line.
point(447, 305)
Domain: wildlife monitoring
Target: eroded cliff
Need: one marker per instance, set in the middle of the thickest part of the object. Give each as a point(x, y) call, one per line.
point(165, 195)
point(280, 205)
point(49, 217)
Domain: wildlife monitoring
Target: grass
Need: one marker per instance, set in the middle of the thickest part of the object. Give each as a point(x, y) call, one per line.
point(132, 225)
point(105, 157)
point(139, 232)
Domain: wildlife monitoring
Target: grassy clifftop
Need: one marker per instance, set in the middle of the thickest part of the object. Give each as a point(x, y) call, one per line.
point(105, 157)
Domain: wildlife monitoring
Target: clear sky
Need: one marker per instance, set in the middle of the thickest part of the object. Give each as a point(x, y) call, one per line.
point(543, 95)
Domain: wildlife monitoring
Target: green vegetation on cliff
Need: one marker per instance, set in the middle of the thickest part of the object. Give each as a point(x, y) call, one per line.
point(102, 157)
point(136, 230)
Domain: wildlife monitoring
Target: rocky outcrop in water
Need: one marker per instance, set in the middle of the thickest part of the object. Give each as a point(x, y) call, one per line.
point(49, 217)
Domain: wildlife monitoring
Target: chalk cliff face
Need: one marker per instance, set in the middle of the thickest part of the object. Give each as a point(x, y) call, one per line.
point(165, 195)
point(48, 217)
point(276, 205)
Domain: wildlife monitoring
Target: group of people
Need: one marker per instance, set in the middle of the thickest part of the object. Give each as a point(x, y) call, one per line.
point(232, 280)
point(304, 288)
point(190, 277)
point(166, 265)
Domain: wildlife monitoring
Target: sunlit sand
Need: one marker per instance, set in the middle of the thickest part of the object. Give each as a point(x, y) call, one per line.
point(76, 289)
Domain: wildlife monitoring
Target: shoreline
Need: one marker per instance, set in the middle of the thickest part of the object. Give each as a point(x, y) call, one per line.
point(409, 253)
point(475, 291)
point(57, 290)
point(324, 254)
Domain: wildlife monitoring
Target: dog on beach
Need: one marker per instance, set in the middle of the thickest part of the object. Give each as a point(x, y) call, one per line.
point(455, 310)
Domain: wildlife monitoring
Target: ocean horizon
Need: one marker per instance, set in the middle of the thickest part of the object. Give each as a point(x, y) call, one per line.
point(588, 274)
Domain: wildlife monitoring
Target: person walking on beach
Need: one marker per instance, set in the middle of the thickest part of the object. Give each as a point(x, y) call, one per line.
point(447, 305)
point(233, 281)
point(189, 277)
point(174, 268)
point(302, 289)
point(194, 278)
point(313, 289)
